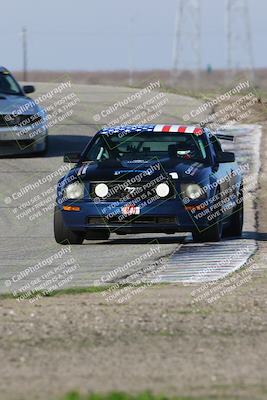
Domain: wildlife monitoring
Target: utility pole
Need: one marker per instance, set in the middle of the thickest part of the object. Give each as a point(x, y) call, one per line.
point(239, 37)
point(130, 50)
point(187, 38)
point(25, 53)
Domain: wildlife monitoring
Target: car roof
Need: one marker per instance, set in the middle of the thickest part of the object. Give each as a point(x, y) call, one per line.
point(193, 129)
point(3, 69)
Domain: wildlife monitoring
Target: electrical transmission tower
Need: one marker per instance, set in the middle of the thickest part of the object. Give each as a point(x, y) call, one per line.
point(187, 39)
point(239, 38)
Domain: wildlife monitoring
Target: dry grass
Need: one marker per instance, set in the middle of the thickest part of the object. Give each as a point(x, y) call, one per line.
point(216, 81)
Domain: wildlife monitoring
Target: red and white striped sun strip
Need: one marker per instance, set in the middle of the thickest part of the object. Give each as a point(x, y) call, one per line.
point(179, 129)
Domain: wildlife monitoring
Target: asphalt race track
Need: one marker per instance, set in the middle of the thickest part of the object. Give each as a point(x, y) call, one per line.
point(27, 187)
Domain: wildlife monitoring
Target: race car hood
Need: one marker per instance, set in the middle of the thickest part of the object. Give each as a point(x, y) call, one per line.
point(11, 104)
point(114, 170)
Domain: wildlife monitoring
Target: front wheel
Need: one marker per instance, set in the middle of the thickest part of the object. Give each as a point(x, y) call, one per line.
point(64, 235)
point(214, 232)
point(236, 222)
point(210, 234)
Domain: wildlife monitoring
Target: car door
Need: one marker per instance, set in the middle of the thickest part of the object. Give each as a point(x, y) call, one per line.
point(226, 179)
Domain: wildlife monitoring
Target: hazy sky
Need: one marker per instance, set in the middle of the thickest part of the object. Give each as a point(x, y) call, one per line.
point(95, 34)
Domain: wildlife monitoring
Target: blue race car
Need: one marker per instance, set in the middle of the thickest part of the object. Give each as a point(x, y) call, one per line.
point(150, 178)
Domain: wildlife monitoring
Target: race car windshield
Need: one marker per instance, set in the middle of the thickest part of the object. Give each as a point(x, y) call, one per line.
point(8, 85)
point(144, 147)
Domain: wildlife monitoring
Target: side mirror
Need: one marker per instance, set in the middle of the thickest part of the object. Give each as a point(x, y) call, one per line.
point(72, 157)
point(28, 89)
point(225, 157)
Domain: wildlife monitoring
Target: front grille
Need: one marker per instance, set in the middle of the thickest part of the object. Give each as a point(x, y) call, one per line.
point(137, 192)
point(134, 220)
point(8, 120)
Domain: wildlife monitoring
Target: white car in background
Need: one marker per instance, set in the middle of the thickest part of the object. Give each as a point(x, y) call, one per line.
point(23, 123)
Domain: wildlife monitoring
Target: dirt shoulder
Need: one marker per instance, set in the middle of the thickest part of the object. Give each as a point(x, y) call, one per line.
point(159, 341)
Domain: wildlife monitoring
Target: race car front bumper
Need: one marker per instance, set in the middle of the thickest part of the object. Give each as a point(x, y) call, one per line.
point(162, 217)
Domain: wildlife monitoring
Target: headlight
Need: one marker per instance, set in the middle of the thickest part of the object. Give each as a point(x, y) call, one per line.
point(101, 190)
point(74, 191)
point(193, 191)
point(162, 190)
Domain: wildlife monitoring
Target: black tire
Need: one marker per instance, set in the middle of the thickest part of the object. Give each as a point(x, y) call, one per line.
point(62, 234)
point(97, 235)
point(236, 222)
point(212, 233)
